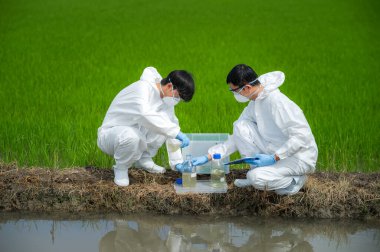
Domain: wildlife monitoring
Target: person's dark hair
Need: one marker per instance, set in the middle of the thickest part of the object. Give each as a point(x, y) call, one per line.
point(242, 75)
point(183, 82)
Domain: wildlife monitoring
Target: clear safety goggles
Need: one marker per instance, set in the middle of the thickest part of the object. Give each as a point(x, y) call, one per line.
point(235, 90)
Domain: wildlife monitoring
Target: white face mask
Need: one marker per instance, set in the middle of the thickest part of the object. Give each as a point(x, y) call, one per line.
point(242, 98)
point(170, 101)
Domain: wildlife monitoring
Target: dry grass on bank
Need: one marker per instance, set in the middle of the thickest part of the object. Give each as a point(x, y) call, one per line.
point(325, 195)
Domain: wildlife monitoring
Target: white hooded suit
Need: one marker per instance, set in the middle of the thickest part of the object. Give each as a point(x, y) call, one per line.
point(273, 124)
point(138, 122)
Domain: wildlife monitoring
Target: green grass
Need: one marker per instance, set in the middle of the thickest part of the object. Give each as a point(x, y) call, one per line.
point(63, 61)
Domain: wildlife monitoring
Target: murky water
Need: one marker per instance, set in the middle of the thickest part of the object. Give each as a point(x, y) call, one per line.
point(19, 233)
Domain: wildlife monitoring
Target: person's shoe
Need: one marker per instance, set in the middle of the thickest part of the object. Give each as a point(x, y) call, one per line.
point(155, 169)
point(148, 165)
point(242, 183)
point(121, 176)
point(296, 185)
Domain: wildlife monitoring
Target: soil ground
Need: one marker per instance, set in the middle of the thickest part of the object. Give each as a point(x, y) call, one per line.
point(90, 189)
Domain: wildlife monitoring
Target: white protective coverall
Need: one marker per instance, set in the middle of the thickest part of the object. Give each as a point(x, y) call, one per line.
point(273, 124)
point(138, 122)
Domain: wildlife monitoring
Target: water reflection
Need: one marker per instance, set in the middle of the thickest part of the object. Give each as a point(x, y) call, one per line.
point(187, 233)
point(238, 234)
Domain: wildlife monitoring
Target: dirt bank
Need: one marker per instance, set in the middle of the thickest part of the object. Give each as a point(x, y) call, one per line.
point(326, 195)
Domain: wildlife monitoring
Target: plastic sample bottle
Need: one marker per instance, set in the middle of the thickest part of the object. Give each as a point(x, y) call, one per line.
point(189, 174)
point(217, 171)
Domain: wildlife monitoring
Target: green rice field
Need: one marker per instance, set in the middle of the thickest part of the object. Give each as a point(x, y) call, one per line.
point(63, 61)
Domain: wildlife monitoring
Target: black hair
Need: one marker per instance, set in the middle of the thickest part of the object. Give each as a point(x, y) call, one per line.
point(242, 75)
point(183, 82)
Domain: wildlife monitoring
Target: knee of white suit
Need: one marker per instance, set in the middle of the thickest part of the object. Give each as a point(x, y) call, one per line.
point(264, 178)
point(106, 143)
point(128, 139)
point(129, 148)
point(257, 179)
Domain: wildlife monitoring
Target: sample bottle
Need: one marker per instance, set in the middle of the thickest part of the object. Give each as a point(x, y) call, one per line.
point(217, 171)
point(189, 174)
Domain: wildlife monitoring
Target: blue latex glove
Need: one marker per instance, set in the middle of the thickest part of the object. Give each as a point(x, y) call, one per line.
point(179, 167)
point(184, 139)
point(200, 160)
point(262, 160)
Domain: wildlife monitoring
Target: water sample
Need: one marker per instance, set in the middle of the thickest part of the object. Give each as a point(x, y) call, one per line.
point(189, 174)
point(218, 178)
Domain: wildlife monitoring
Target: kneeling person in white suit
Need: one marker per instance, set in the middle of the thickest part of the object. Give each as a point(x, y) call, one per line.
point(141, 118)
point(272, 129)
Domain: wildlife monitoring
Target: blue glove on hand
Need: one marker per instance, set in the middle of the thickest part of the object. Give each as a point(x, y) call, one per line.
point(179, 167)
point(200, 160)
point(263, 160)
point(184, 139)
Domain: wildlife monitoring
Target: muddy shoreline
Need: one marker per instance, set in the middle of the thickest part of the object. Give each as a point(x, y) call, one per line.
point(91, 190)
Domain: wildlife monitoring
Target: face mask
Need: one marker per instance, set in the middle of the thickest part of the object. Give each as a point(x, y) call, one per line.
point(170, 101)
point(242, 98)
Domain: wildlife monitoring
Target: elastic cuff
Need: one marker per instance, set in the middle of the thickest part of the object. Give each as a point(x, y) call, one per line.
point(174, 133)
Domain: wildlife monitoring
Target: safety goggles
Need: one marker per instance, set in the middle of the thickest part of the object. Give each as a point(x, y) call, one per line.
point(235, 90)
point(241, 88)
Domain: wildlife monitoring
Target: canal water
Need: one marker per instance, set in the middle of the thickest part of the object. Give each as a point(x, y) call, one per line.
point(106, 233)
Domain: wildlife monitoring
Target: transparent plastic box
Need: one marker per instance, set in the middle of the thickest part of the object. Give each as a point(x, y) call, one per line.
point(199, 145)
point(202, 186)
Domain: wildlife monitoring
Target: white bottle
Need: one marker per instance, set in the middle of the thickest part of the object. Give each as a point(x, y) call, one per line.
point(217, 171)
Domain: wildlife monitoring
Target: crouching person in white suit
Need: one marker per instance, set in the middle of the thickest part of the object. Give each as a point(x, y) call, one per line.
point(272, 130)
point(141, 118)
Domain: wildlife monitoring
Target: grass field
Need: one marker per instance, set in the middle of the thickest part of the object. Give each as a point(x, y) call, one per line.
point(63, 61)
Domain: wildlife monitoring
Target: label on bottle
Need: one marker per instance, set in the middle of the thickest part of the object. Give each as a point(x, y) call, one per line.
point(193, 175)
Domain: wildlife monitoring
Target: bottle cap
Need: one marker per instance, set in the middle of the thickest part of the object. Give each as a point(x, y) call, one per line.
point(178, 181)
point(216, 156)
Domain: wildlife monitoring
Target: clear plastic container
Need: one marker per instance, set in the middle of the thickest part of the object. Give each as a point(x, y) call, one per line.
point(199, 145)
point(189, 174)
point(202, 186)
point(218, 178)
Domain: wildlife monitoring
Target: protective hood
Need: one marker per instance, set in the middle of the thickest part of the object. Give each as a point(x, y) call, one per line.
point(151, 75)
point(270, 81)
